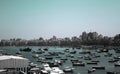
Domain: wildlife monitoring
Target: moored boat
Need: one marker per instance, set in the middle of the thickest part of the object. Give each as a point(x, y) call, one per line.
point(26, 49)
point(46, 67)
point(110, 72)
point(78, 64)
point(92, 63)
point(91, 70)
point(113, 60)
point(117, 64)
point(44, 72)
point(99, 67)
point(68, 69)
point(56, 70)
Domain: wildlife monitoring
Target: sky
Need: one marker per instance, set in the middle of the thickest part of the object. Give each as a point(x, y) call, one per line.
point(30, 19)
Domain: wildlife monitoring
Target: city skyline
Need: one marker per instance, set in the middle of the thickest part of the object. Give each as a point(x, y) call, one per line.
point(63, 18)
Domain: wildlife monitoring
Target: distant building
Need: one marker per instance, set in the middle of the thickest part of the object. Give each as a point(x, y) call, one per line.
point(84, 36)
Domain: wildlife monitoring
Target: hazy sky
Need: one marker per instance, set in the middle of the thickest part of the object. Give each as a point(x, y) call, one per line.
point(64, 18)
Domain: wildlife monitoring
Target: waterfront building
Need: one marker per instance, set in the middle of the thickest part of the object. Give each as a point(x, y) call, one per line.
point(14, 63)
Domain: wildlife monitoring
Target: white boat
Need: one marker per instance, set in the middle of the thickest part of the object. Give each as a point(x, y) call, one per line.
point(34, 69)
point(56, 70)
point(91, 70)
point(117, 64)
point(32, 65)
point(68, 69)
point(46, 67)
point(35, 55)
point(58, 61)
point(44, 72)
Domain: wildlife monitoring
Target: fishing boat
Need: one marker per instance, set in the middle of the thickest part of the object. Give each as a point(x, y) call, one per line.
point(99, 67)
point(92, 63)
point(78, 64)
point(91, 70)
point(35, 55)
point(110, 72)
point(43, 72)
point(117, 50)
point(32, 65)
point(56, 70)
point(25, 49)
point(87, 58)
point(49, 57)
point(117, 64)
point(18, 53)
point(46, 67)
point(45, 49)
point(72, 52)
point(95, 61)
point(58, 61)
point(53, 64)
point(68, 69)
point(113, 60)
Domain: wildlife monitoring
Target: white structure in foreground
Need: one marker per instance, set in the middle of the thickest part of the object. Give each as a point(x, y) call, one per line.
point(14, 62)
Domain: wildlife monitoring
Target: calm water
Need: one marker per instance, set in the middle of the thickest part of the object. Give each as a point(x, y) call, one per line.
point(79, 69)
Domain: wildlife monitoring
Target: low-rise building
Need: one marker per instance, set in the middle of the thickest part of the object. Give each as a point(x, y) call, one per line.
point(16, 63)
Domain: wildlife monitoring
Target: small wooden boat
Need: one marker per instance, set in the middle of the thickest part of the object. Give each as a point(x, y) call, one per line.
point(109, 72)
point(117, 50)
point(18, 53)
point(95, 61)
point(25, 49)
point(49, 58)
point(52, 64)
point(46, 67)
point(35, 55)
point(99, 67)
point(45, 49)
point(68, 69)
point(113, 60)
point(56, 70)
point(87, 58)
point(44, 72)
point(72, 52)
point(117, 64)
point(78, 64)
point(91, 70)
point(92, 63)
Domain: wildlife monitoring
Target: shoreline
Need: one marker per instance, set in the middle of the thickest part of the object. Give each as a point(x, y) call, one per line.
point(77, 47)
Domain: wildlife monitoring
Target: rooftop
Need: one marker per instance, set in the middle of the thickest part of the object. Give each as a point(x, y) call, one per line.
point(5, 57)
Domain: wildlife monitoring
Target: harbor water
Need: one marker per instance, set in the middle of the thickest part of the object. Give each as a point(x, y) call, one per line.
point(77, 69)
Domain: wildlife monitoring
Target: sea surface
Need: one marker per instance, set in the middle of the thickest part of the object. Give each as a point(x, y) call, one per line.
point(77, 69)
